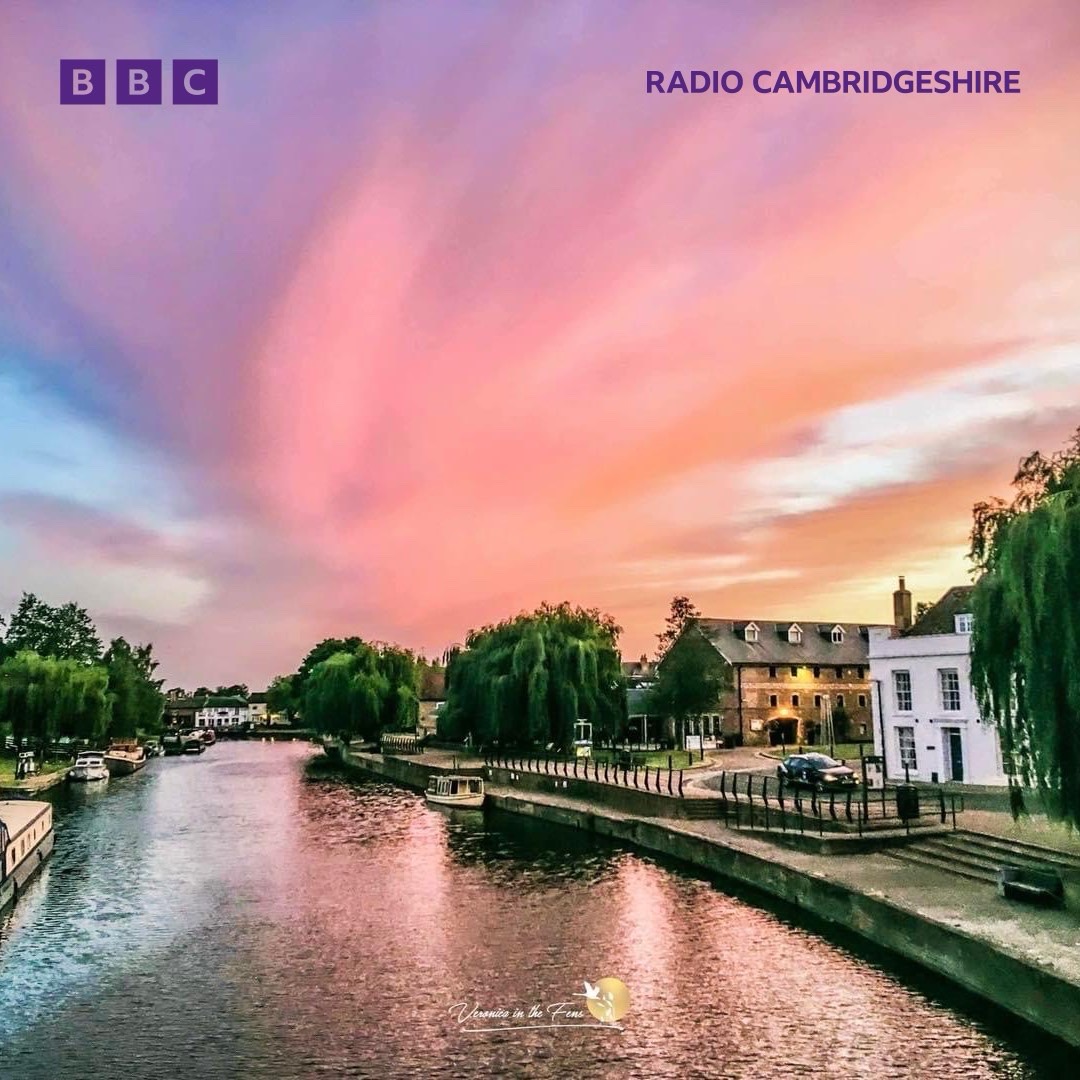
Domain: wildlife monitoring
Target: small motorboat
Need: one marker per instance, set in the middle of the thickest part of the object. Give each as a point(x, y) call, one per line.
point(463, 791)
point(172, 743)
point(193, 742)
point(89, 767)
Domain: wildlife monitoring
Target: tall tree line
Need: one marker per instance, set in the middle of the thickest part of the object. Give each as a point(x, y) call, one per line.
point(56, 680)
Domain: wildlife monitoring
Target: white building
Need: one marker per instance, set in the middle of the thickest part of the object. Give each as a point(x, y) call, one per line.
point(221, 712)
point(926, 720)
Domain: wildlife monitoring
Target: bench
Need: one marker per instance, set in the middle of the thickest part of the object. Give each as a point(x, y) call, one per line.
point(1036, 885)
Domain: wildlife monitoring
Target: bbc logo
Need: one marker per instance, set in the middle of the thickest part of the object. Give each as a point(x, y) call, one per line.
point(139, 82)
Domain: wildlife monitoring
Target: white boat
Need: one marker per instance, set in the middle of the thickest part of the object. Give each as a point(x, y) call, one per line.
point(89, 766)
point(26, 841)
point(466, 791)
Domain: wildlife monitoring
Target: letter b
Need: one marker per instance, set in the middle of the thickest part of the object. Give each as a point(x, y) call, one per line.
point(138, 82)
point(82, 82)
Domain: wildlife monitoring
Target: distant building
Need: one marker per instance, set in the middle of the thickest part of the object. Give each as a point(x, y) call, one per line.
point(202, 712)
point(432, 695)
point(926, 720)
point(639, 672)
point(641, 726)
point(788, 678)
point(258, 712)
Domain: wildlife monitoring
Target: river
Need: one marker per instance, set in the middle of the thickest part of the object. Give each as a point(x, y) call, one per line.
point(241, 914)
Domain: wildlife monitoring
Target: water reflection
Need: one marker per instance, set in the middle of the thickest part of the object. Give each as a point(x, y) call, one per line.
point(230, 916)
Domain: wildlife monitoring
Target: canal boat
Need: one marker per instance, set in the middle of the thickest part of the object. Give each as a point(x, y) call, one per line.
point(463, 791)
point(124, 758)
point(89, 767)
point(26, 841)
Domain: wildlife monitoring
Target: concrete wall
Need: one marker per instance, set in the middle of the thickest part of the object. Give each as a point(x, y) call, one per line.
point(1037, 996)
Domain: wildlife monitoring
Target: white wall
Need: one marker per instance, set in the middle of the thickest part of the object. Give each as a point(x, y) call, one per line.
point(937, 731)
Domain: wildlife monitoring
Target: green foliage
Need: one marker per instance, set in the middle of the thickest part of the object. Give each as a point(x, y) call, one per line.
point(43, 698)
point(281, 697)
point(690, 679)
point(137, 702)
point(526, 680)
point(1025, 659)
point(359, 691)
point(64, 633)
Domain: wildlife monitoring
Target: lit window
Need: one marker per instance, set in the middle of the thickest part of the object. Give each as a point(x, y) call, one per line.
point(949, 679)
point(905, 738)
point(964, 623)
point(902, 690)
point(838, 635)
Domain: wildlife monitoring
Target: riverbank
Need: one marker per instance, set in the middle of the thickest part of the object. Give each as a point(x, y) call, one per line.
point(1022, 959)
point(32, 785)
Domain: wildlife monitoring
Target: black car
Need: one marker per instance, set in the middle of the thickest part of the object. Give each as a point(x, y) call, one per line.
point(816, 771)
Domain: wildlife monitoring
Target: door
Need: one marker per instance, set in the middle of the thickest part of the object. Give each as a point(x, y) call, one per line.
point(954, 751)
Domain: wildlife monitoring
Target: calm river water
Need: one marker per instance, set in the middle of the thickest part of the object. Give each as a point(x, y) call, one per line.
point(238, 915)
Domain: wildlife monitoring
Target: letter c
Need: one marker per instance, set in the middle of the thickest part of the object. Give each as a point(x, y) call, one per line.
point(187, 81)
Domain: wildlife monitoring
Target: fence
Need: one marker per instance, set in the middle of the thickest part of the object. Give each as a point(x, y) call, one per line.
point(634, 777)
point(770, 803)
point(745, 800)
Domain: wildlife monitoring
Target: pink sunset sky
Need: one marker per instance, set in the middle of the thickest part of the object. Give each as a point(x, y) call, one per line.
point(437, 315)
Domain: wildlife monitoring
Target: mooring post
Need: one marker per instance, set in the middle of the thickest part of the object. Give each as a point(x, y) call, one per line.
point(669, 775)
point(605, 770)
point(635, 775)
point(680, 784)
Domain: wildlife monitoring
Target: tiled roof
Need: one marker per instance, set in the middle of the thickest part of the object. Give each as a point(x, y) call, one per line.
point(728, 637)
point(257, 699)
point(206, 703)
point(939, 618)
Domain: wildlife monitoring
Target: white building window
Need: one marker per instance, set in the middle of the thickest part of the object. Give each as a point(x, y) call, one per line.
point(751, 633)
point(902, 690)
point(905, 740)
point(949, 679)
point(794, 634)
point(964, 623)
point(838, 635)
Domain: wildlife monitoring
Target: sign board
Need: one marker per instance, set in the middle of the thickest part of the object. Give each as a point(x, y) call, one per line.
point(693, 742)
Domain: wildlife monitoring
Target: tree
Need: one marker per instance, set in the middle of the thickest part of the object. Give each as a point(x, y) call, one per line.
point(689, 680)
point(360, 691)
point(682, 613)
point(43, 698)
point(527, 680)
point(281, 697)
point(1025, 649)
point(137, 702)
point(921, 608)
point(236, 690)
point(65, 633)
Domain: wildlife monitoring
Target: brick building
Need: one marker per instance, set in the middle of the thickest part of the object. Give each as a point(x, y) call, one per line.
point(786, 679)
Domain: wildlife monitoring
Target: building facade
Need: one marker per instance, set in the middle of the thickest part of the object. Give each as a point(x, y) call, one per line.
point(926, 720)
point(220, 712)
point(790, 681)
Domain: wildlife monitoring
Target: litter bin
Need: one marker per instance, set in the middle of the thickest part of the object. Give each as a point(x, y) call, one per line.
point(907, 802)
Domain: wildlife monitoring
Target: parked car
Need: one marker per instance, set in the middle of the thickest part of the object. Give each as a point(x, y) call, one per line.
point(816, 771)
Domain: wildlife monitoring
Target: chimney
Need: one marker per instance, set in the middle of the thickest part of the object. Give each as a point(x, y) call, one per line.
point(901, 605)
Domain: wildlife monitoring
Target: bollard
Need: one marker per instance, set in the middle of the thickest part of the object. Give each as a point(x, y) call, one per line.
point(635, 776)
point(669, 775)
point(680, 784)
point(941, 796)
point(765, 799)
point(605, 770)
point(575, 768)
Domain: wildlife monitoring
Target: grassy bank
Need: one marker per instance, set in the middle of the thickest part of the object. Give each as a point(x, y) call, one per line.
point(7, 769)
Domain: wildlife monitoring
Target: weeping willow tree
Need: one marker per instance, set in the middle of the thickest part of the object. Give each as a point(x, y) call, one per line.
point(526, 680)
point(1025, 652)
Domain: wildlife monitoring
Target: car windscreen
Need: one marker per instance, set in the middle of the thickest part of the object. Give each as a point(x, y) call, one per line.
point(822, 761)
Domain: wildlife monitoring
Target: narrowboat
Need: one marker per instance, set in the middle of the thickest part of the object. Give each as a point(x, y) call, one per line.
point(124, 758)
point(26, 841)
point(464, 791)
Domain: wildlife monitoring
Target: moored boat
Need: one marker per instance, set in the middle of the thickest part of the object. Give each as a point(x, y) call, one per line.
point(463, 791)
point(193, 742)
point(89, 767)
point(26, 841)
point(172, 743)
point(124, 758)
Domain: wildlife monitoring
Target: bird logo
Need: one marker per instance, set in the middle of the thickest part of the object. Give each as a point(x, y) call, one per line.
point(608, 1000)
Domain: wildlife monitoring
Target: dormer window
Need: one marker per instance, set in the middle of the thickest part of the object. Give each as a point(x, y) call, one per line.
point(794, 634)
point(838, 635)
point(751, 633)
point(964, 623)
